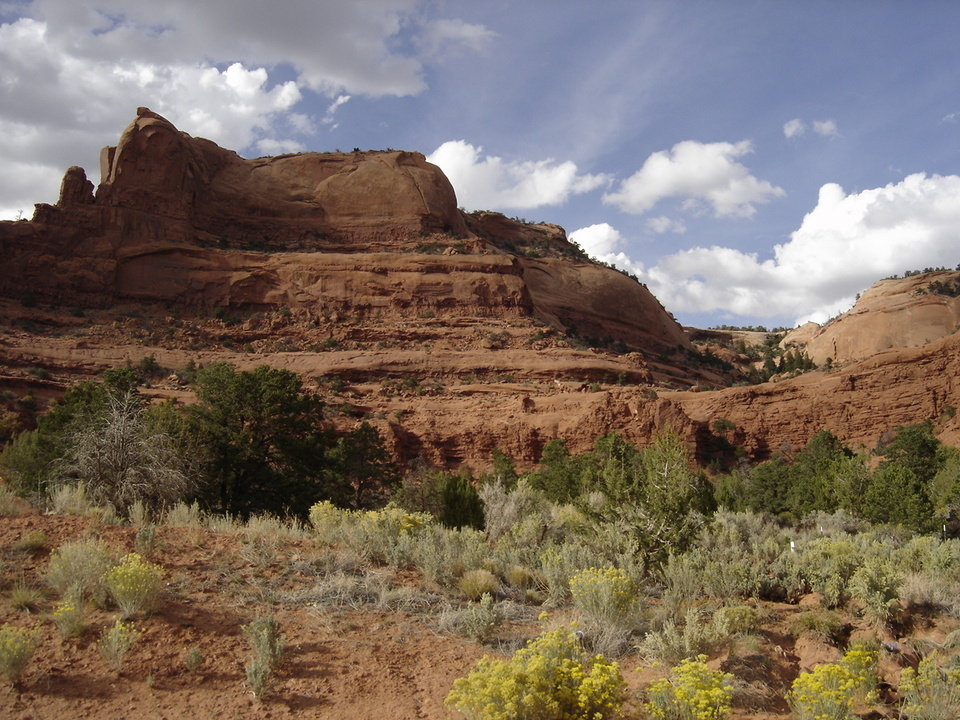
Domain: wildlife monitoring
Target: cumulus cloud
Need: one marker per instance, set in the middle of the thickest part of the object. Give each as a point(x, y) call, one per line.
point(490, 182)
point(797, 127)
point(700, 173)
point(827, 128)
point(662, 225)
point(794, 128)
point(72, 72)
point(843, 245)
point(600, 240)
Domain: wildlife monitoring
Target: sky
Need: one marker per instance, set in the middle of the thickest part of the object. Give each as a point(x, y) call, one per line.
point(754, 162)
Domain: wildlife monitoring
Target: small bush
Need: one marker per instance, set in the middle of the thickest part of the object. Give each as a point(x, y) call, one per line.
point(877, 587)
point(26, 597)
point(116, 642)
point(184, 515)
point(671, 644)
point(826, 623)
point(80, 564)
point(32, 542)
point(134, 584)
point(68, 616)
point(17, 646)
point(478, 622)
point(193, 659)
point(267, 644)
point(475, 583)
point(932, 691)
point(607, 598)
point(691, 692)
point(550, 678)
point(831, 691)
point(735, 620)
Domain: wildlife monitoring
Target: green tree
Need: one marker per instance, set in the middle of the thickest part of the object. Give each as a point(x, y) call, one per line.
point(558, 474)
point(896, 495)
point(266, 445)
point(362, 459)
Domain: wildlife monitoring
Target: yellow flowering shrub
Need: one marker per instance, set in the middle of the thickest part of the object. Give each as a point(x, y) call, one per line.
point(326, 518)
point(68, 615)
point(831, 691)
point(691, 692)
point(134, 584)
point(16, 648)
point(550, 678)
point(116, 642)
point(394, 520)
point(932, 691)
point(603, 594)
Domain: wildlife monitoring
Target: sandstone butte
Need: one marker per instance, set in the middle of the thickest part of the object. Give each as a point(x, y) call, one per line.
point(454, 333)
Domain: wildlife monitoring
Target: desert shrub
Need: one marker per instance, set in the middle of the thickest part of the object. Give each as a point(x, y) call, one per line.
point(134, 584)
point(560, 562)
point(326, 519)
point(825, 623)
point(519, 576)
point(122, 458)
point(443, 555)
point(933, 591)
point(144, 539)
point(17, 646)
point(479, 621)
point(80, 565)
point(476, 583)
point(932, 691)
point(831, 691)
point(550, 678)
point(72, 499)
point(32, 542)
point(10, 504)
point(267, 644)
point(604, 594)
point(504, 507)
point(877, 587)
point(68, 615)
point(732, 620)
point(607, 599)
point(183, 514)
point(116, 642)
point(671, 644)
point(26, 597)
point(692, 691)
point(383, 536)
point(827, 565)
point(193, 659)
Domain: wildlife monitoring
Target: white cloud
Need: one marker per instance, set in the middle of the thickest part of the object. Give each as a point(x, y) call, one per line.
point(332, 110)
point(72, 73)
point(490, 182)
point(600, 240)
point(699, 173)
point(662, 225)
point(797, 127)
point(845, 244)
point(826, 128)
point(440, 37)
point(794, 128)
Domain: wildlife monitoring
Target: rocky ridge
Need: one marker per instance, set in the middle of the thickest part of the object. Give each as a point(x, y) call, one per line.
point(454, 333)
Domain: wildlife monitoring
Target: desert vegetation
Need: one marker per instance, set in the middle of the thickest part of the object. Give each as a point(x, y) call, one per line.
point(621, 581)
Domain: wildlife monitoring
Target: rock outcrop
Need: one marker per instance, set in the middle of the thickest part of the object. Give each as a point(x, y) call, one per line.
point(179, 220)
point(892, 314)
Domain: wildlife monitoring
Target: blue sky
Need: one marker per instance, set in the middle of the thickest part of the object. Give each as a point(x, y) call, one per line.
point(752, 162)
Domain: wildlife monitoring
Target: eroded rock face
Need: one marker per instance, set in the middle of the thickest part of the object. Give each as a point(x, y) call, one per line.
point(180, 220)
point(890, 315)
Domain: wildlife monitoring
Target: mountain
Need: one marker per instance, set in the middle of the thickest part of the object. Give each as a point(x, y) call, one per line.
point(454, 333)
